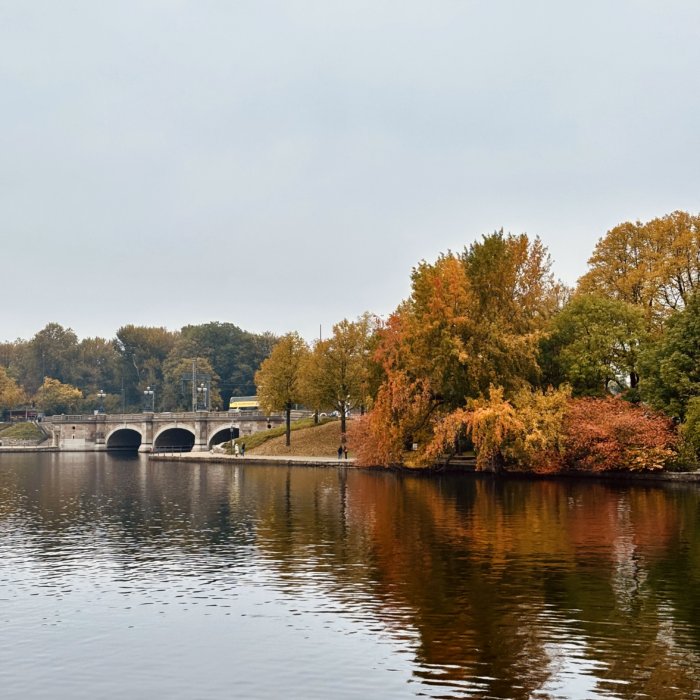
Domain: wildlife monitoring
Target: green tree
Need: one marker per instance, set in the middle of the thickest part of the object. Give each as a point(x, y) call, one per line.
point(691, 427)
point(234, 354)
point(142, 351)
point(670, 366)
point(278, 380)
point(594, 346)
point(52, 352)
point(174, 395)
point(98, 366)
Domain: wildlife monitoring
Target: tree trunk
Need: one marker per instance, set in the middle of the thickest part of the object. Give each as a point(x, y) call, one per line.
point(289, 423)
point(316, 417)
point(342, 424)
point(494, 465)
point(634, 380)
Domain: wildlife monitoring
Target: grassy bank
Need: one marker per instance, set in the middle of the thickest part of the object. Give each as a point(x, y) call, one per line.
point(321, 441)
point(254, 441)
point(20, 431)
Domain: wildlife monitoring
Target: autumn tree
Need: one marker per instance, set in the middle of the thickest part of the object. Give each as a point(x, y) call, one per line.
point(472, 321)
point(593, 345)
point(335, 373)
point(11, 394)
point(55, 397)
point(525, 431)
point(653, 265)
point(278, 380)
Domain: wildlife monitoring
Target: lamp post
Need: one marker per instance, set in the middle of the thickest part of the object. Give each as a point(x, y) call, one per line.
point(101, 396)
point(202, 400)
point(150, 399)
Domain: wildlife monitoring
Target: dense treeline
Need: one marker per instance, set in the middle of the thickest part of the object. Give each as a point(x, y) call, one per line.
point(58, 373)
point(490, 352)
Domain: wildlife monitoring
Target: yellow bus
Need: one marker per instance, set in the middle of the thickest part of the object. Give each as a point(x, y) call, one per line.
point(244, 403)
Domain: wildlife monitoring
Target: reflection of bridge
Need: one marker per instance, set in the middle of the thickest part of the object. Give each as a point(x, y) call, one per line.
point(153, 432)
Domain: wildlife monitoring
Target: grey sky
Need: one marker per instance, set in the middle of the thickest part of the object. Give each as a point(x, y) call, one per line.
point(284, 164)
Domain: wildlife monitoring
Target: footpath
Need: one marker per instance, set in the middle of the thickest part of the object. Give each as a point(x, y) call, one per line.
point(253, 459)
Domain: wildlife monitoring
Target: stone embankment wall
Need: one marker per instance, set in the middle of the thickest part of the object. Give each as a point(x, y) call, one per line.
point(16, 442)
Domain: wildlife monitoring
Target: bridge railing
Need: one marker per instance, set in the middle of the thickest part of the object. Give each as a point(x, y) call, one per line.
point(199, 415)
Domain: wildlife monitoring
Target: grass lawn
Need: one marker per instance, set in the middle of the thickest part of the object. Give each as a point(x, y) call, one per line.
point(20, 431)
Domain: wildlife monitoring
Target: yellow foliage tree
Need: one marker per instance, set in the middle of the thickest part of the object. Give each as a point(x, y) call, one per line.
point(278, 381)
point(654, 265)
point(55, 397)
point(11, 394)
point(335, 372)
point(525, 431)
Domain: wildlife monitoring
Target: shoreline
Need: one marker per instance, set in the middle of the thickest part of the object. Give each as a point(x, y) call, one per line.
point(465, 467)
point(289, 461)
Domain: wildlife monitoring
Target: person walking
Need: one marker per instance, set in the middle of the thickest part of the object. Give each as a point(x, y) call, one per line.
point(243, 449)
point(345, 451)
point(340, 452)
point(236, 450)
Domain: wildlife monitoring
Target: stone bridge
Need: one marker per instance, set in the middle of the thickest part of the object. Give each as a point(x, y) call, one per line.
point(156, 432)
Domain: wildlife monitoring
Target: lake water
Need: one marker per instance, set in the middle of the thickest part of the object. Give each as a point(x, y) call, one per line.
point(121, 578)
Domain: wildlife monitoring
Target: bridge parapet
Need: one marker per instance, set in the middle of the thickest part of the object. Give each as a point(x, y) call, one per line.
point(166, 416)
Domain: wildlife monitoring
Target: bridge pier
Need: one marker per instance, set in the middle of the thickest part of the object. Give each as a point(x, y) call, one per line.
point(147, 434)
point(200, 432)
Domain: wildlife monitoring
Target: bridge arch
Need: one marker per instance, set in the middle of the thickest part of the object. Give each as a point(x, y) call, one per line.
point(123, 438)
point(174, 436)
point(222, 433)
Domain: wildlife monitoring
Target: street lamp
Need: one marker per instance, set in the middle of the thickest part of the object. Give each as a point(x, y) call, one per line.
point(202, 393)
point(150, 399)
point(101, 396)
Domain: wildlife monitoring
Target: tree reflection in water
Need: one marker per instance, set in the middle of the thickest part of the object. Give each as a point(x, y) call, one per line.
point(509, 589)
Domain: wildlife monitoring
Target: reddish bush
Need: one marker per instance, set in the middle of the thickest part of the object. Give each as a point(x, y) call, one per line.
point(612, 434)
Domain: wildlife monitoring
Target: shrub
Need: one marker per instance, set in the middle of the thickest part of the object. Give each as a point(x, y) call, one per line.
point(611, 434)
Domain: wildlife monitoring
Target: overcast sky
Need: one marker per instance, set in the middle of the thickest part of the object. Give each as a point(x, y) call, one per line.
point(283, 165)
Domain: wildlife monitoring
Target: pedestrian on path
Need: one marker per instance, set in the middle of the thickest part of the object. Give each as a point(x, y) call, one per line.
point(345, 451)
point(236, 450)
point(340, 452)
point(243, 449)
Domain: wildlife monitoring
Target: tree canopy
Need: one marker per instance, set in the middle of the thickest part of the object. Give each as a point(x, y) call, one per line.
point(653, 265)
point(593, 344)
point(670, 367)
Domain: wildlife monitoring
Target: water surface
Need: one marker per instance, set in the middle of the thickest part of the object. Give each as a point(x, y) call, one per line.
point(120, 578)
